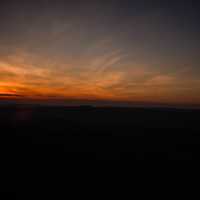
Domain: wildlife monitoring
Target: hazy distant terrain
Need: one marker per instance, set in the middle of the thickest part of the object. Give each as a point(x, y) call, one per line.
point(101, 133)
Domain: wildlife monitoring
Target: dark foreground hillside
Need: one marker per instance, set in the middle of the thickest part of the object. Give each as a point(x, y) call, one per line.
point(99, 133)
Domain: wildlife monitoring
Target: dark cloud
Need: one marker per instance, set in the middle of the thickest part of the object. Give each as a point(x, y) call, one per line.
point(10, 95)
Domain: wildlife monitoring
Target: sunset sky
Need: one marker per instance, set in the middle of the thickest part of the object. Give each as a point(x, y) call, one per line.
point(112, 50)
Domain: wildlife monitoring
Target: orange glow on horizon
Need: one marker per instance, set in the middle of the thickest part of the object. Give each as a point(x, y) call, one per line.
point(137, 84)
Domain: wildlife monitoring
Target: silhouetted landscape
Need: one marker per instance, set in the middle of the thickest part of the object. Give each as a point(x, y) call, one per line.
point(110, 133)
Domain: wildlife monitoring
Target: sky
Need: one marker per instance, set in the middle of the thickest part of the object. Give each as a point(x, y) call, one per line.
point(113, 50)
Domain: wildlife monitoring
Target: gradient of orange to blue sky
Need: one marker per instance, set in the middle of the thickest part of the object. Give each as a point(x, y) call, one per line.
point(119, 50)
